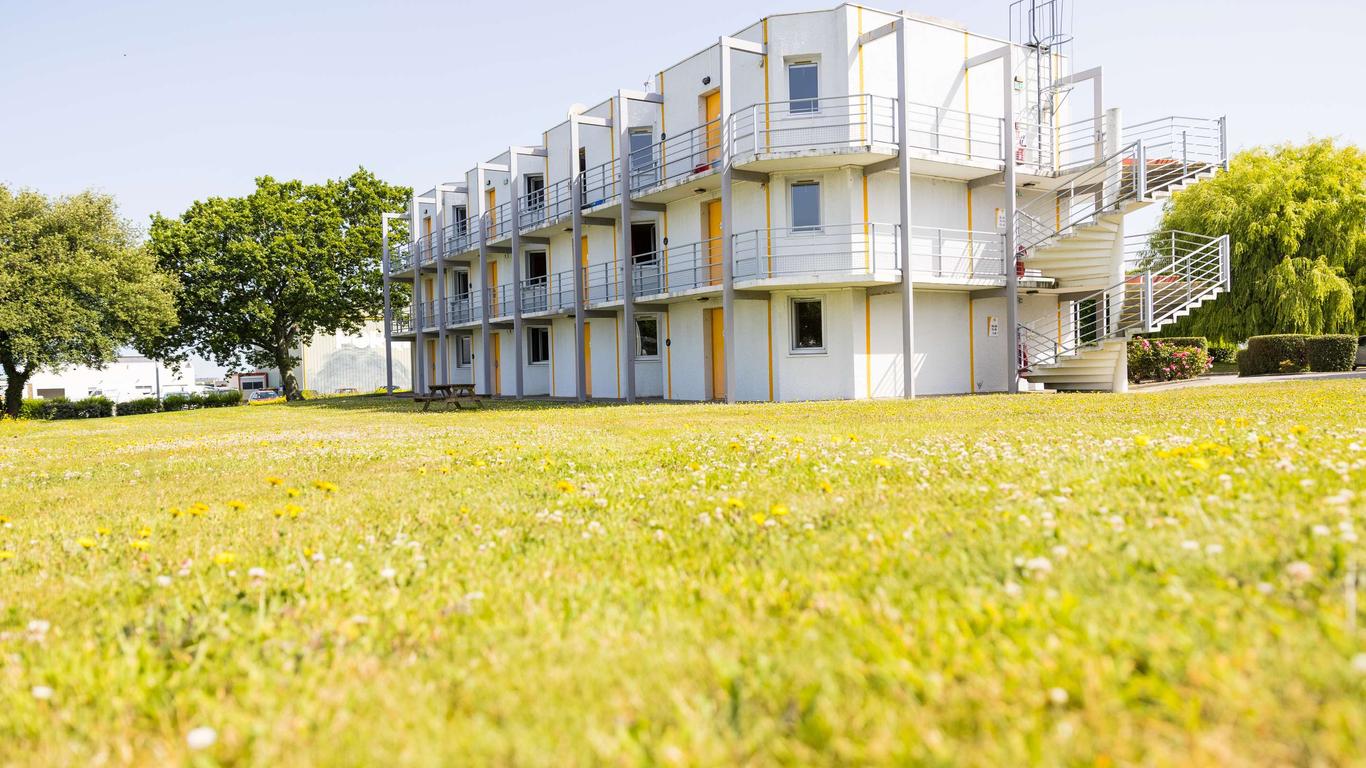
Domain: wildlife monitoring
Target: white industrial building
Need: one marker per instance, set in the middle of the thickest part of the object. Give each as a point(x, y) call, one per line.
point(128, 377)
point(742, 230)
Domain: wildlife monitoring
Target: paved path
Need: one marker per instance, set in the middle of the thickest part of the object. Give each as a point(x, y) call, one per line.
point(1233, 378)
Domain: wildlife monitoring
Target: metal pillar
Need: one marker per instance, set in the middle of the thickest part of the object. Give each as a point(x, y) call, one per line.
point(419, 338)
point(576, 206)
point(486, 293)
point(727, 221)
point(628, 286)
point(903, 76)
point(439, 253)
point(1012, 276)
point(516, 187)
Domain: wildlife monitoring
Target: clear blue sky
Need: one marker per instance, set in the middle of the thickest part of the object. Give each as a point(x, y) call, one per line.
point(161, 102)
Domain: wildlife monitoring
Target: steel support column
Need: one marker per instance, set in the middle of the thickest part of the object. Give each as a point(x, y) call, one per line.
point(628, 285)
point(486, 290)
point(439, 253)
point(576, 216)
point(727, 222)
point(1012, 249)
point(419, 303)
point(515, 186)
point(384, 220)
point(903, 76)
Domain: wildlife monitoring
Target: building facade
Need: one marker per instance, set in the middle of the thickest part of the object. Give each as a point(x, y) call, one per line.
point(128, 377)
point(809, 209)
point(332, 363)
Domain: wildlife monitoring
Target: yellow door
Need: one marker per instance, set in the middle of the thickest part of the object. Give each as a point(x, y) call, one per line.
point(497, 363)
point(490, 204)
point(427, 232)
point(493, 289)
point(583, 243)
point(431, 363)
point(714, 242)
point(428, 297)
point(718, 354)
point(713, 112)
point(588, 358)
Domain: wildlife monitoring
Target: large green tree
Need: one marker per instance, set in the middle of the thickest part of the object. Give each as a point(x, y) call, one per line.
point(1297, 220)
point(75, 286)
point(262, 274)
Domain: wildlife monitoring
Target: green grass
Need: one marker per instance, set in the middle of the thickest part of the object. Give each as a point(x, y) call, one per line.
point(1057, 580)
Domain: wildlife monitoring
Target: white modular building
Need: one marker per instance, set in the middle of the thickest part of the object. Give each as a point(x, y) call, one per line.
point(837, 204)
point(128, 377)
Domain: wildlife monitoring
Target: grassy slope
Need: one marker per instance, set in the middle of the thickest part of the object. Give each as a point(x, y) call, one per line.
point(989, 581)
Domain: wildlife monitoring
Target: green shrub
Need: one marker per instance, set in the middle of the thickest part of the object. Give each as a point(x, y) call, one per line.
point(139, 407)
point(1158, 360)
point(1267, 353)
point(177, 401)
point(1331, 353)
point(221, 399)
point(1223, 353)
point(1199, 342)
point(87, 408)
point(33, 408)
point(1244, 361)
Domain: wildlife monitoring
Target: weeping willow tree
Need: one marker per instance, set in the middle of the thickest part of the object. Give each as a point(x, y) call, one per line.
point(1296, 216)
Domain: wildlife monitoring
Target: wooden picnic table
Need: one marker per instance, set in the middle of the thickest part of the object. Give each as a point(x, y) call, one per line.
point(460, 395)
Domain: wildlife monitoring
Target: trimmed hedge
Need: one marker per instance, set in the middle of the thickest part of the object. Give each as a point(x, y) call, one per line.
point(139, 407)
point(1279, 353)
point(1199, 342)
point(187, 402)
point(1331, 353)
point(87, 408)
point(1223, 353)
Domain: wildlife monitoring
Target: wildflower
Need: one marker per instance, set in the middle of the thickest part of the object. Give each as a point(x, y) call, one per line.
point(778, 510)
point(826, 487)
point(41, 692)
point(198, 508)
point(882, 462)
point(202, 737)
point(734, 503)
point(175, 512)
point(564, 486)
point(758, 518)
point(1039, 566)
point(1321, 530)
point(38, 629)
point(325, 486)
point(140, 545)
point(275, 481)
point(163, 581)
point(103, 530)
point(237, 506)
point(293, 510)
point(225, 558)
point(388, 574)
point(144, 532)
point(422, 470)
point(1199, 464)
point(86, 542)
point(292, 493)
point(1359, 663)
point(256, 572)
point(6, 554)
point(1057, 696)
point(1299, 429)
point(1299, 571)
point(1142, 441)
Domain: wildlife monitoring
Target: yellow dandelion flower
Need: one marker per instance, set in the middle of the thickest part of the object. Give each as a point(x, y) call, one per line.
point(564, 486)
point(1142, 441)
point(276, 481)
point(293, 510)
point(758, 518)
point(6, 554)
point(4, 519)
point(176, 512)
point(1299, 429)
point(86, 542)
point(734, 446)
point(799, 440)
point(140, 545)
point(1199, 464)
point(826, 487)
point(1220, 422)
point(278, 512)
point(225, 558)
point(464, 510)
point(882, 462)
point(308, 551)
point(422, 470)
point(144, 532)
point(325, 486)
point(778, 510)
point(480, 463)
point(293, 493)
point(236, 505)
point(445, 470)
point(103, 530)
point(853, 438)
point(735, 503)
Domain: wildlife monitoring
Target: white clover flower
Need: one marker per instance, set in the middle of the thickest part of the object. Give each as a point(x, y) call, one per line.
point(1057, 696)
point(163, 580)
point(256, 572)
point(1214, 549)
point(202, 737)
point(1299, 571)
point(388, 574)
point(1322, 530)
point(1190, 546)
point(1039, 566)
point(41, 692)
point(1359, 663)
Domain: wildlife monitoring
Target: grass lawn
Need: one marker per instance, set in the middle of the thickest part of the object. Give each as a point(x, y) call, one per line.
point(994, 581)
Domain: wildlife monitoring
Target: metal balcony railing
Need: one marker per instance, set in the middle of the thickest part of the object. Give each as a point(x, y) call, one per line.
point(402, 321)
point(1177, 148)
point(834, 121)
point(602, 282)
point(1099, 190)
point(463, 308)
point(832, 249)
point(956, 253)
point(677, 156)
point(500, 300)
point(599, 184)
point(1056, 149)
point(461, 236)
point(401, 257)
point(691, 265)
point(547, 206)
point(429, 314)
point(953, 132)
point(499, 222)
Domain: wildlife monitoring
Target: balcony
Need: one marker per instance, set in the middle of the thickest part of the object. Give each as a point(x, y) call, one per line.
point(545, 208)
point(830, 255)
point(669, 169)
point(548, 294)
point(778, 135)
point(461, 237)
point(498, 222)
point(402, 322)
point(463, 309)
point(429, 317)
point(956, 257)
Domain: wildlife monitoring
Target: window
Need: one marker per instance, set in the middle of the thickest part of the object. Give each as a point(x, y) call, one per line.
point(462, 282)
point(464, 351)
point(535, 265)
point(808, 325)
point(643, 169)
point(51, 394)
point(802, 88)
point(535, 192)
point(462, 227)
point(647, 336)
point(642, 242)
point(538, 345)
point(806, 206)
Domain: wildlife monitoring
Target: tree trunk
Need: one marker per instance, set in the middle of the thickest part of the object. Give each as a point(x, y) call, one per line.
point(14, 390)
point(285, 364)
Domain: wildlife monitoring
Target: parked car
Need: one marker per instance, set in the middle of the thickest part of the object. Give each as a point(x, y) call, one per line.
point(263, 394)
point(1361, 352)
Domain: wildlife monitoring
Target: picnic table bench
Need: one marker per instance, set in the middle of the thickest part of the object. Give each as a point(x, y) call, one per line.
point(460, 395)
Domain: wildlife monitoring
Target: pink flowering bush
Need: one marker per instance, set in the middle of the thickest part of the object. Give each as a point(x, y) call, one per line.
point(1156, 360)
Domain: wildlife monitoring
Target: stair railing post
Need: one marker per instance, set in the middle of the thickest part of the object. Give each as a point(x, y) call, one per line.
point(1224, 273)
point(1146, 305)
point(1140, 173)
point(1223, 140)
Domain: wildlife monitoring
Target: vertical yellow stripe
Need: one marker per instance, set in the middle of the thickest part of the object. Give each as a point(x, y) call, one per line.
point(868, 342)
point(770, 347)
point(972, 348)
point(767, 66)
point(668, 355)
